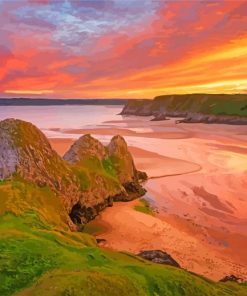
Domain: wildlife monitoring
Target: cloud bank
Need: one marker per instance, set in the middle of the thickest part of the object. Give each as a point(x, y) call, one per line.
point(119, 48)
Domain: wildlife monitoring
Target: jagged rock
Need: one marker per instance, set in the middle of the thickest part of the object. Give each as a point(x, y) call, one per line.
point(85, 146)
point(216, 119)
point(160, 117)
point(158, 256)
point(122, 159)
point(142, 176)
point(104, 191)
point(231, 278)
point(100, 241)
point(124, 165)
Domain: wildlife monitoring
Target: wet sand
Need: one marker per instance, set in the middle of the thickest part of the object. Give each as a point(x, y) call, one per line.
point(199, 190)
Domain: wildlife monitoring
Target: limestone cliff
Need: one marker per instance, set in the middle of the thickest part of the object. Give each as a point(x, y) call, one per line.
point(125, 168)
point(26, 153)
point(85, 146)
point(112, 175)
point(205, 108)
point(88, 179)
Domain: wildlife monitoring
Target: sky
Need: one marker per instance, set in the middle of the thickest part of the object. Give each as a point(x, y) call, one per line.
point(122, 48)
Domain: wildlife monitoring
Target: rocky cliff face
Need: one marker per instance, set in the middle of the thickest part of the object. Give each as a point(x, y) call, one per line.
point(85, 146)
point(217, 119)
point(205, 108)
point(88, 179)
point(26, 152)
point(116, 180)
point(125, 168)
point(122, 160)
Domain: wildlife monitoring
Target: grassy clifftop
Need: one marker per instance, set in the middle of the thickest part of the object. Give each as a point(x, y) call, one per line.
point(39, 255)
point(213, 104)
point(217, 104)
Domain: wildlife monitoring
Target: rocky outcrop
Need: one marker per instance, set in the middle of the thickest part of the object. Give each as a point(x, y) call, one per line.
point(160, 117)
point(210, 119)
point(138, 107)
point(85, 146)
point(122, 159)
point(88, 179)
point(25, 152)
point(231, 278)
point(122, 185)
point(194, 108)
point(158, 256)
point(126, 171)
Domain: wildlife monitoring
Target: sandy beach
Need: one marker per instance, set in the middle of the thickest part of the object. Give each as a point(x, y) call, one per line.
point(197, 186)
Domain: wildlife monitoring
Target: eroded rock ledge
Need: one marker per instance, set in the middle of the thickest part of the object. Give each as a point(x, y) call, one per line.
point(89, 177)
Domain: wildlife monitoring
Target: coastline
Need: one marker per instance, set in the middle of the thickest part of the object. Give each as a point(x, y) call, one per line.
point(196, 220)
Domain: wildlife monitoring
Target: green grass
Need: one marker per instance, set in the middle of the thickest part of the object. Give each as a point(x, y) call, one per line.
point(39, 255)
point(109, 166)
point(94, 228)
point(144, 207)
point(217, 104)
point(90, 168)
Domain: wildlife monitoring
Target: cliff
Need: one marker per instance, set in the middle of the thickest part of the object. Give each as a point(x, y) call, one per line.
point(206, 108)
point(87, 179)
point(40, 255)
point(26, 153)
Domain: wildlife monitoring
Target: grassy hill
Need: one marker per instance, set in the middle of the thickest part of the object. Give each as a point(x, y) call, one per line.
point(217, 104)
point(214, 104)
point(39, 255)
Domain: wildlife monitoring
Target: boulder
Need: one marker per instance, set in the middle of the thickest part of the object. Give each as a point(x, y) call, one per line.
point(231, 278)
point(160, 117)
point(158, 256)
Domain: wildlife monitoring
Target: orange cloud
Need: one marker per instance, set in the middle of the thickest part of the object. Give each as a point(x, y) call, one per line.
point(132, 52)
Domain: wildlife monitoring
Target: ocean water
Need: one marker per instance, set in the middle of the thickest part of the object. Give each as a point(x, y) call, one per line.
point(62, 117)
point(55, 120)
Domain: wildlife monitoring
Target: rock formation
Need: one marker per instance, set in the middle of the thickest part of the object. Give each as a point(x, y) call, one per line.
point(126, 171)
point(85, 146)
point(217, 119)
point(26, 153)
point(158, 256)
point(231, 278)
point(88, 179)
point(121, 185)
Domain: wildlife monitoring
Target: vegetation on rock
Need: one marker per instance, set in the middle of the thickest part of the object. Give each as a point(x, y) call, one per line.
point(208, 108)
point(40, 255)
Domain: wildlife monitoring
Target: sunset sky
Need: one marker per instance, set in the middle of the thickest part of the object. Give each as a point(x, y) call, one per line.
point(122, 48)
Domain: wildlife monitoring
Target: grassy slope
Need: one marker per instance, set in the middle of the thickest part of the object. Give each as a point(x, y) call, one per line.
point(204, 103)
point(144, 207)
point(40, 256)
point(91, 167)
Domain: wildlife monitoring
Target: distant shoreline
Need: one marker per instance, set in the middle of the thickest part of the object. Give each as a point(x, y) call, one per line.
point(59, 102)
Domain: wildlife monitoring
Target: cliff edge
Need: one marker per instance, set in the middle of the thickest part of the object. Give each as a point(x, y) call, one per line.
point(194, 108)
